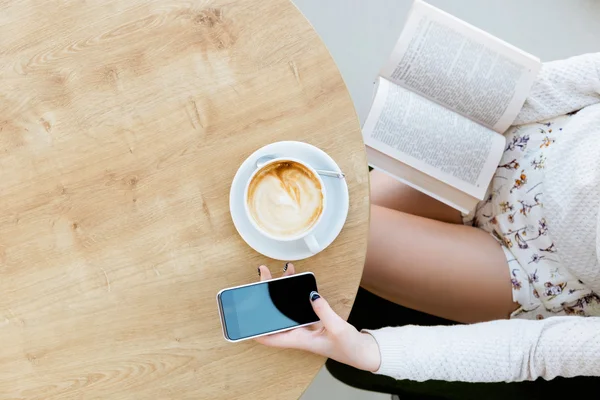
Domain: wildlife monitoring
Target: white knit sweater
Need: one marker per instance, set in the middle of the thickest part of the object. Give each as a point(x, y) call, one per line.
point(517, 350)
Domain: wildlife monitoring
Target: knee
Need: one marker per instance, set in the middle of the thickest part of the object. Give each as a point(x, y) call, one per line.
point(386, 191)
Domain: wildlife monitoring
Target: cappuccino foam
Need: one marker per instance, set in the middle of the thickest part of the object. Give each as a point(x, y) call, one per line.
point(285, 199)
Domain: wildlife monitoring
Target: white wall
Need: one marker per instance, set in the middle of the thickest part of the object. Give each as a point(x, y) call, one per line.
point(360, 34)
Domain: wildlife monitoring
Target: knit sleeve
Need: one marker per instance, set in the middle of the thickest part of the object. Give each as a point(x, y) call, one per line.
point(561, 87)
point(498, 351)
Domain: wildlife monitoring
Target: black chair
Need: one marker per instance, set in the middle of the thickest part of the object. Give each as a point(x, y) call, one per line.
point(390, 314)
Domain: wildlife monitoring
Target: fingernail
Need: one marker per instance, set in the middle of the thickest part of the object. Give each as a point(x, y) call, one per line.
point(258, 269)
point(285, 267)
point(314, 296)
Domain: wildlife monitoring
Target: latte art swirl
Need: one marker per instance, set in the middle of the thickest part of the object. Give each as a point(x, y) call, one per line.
point(285, 199)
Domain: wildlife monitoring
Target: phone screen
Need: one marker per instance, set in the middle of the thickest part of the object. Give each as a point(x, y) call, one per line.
point(268, 306)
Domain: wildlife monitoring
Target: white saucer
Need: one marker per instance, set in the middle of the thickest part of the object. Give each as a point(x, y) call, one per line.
point(331, 223)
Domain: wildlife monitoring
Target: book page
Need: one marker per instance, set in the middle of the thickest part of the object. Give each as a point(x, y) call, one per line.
point(461, 67)
point(421, 181)
point(432, 139)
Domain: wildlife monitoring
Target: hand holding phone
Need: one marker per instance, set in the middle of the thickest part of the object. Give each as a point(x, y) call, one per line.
point(332, 337)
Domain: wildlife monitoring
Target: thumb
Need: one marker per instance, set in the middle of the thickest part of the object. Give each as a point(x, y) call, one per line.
point(332, 322)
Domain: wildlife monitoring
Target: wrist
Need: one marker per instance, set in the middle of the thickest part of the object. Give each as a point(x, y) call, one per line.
point(371, 357)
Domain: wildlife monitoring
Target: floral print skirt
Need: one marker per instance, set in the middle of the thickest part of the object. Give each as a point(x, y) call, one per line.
point(513, 212)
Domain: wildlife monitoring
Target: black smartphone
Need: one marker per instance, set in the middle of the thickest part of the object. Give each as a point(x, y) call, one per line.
point(262, 308)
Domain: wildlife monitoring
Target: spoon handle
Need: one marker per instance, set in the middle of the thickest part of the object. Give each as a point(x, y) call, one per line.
point(333, 174)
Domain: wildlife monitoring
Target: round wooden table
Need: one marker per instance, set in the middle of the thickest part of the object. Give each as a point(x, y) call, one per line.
point(122, 124)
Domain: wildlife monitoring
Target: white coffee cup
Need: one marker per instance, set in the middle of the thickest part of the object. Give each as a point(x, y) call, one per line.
point(306, 235)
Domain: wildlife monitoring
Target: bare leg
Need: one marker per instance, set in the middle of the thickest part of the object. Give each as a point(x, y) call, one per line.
point(449, 270)
point(389, 193)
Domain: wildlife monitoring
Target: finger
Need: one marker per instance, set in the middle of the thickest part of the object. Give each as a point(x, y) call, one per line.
point(289, 269)
point(264, 273)
point(332, 322)
point(300, 338)
point(276, 340)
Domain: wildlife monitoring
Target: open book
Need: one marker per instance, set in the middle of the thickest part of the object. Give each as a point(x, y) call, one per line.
point(442, 102)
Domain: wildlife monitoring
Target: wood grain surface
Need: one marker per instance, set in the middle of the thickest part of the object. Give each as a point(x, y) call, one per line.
point(122, 124)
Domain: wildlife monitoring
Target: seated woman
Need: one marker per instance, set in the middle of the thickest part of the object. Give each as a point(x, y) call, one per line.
point(525, 259)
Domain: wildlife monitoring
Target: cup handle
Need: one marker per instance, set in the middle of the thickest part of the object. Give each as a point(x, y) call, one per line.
point(312, 244)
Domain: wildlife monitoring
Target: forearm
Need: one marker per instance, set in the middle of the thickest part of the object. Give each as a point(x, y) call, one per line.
point(508, 350)
point(561, 87)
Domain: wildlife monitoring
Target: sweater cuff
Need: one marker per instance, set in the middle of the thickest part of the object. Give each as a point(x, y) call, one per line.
point(395, 350)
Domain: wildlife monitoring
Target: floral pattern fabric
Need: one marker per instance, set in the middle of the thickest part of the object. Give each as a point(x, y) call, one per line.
point(513, 212)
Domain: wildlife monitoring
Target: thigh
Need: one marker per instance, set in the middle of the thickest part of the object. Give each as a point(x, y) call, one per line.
point(452, 271)
point(389, 193)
